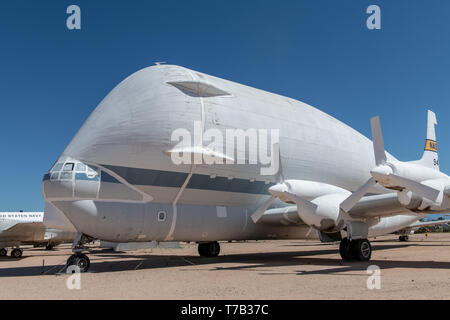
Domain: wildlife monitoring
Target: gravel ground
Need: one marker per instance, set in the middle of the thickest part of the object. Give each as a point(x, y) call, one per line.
point(294, 269)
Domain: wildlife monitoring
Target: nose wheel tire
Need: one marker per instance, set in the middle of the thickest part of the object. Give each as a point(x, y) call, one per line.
point(403, 238)
point(79, 260)
point(3, 252)
point(16, 253)
point(359, 250)
point(209, 249)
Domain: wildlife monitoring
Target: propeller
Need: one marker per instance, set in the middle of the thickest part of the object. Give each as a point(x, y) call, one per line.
point(353, 199)
point(384, 174)
point(279, 178)
point(260, 211)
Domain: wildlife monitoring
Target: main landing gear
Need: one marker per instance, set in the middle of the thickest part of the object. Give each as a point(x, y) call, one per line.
point(403, 238)
point(16, 253)
point(209, 249)
point(78, 259)
point(357, 249)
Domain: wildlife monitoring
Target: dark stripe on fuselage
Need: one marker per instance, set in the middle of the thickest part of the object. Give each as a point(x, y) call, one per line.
point(158, 178)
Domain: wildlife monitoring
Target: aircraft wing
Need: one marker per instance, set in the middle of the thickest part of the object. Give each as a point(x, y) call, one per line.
point(378, 206)
point(367, 207)
point(29, 231)
point(285, 216)
point(420, 224)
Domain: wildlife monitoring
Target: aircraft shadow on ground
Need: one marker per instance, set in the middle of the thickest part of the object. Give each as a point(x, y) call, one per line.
point(116, 262)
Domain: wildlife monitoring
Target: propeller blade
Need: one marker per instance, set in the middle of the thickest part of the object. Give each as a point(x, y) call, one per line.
point(309, 232)
point(353, 199)
point(378, 143)
point(415, 187)
point(279, 177)
point(260, 211)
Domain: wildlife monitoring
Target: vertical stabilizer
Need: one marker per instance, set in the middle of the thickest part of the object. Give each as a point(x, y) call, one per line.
point(430, 156)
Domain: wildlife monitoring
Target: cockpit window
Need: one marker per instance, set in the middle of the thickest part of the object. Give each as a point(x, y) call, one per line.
point(68, 166)
point(80, 167)
point(92, 169)
point(54, 175)
point(66, 175)
point(57, 167)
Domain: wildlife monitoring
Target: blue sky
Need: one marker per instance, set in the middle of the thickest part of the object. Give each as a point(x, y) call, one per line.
point(316, 51)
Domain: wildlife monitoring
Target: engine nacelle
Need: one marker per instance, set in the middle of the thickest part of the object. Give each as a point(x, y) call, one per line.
point(447, 191)
point(414, 171)
point(318, 204)
point(323, 213)
point(443, 201)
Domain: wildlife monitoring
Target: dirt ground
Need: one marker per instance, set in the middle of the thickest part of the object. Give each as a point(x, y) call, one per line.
point(294, 269)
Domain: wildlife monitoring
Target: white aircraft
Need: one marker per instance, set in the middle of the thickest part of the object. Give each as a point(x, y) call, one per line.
point(120, 178)
point(405, 232)
point(22, 228)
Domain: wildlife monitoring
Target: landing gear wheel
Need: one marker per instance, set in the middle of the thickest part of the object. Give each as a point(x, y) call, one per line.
point(79, 260)
point(361, 249)
point(3, 252)
point(16, 253)
point(49, 246)
point(403, 238)
point(209, 249)
point(344, 250)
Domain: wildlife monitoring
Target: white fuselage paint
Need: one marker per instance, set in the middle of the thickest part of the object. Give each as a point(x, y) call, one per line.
point(131, 130)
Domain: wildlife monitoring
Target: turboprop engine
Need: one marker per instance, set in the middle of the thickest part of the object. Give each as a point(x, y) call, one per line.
point(318, 204)
point(442, 203)
point(420, 184)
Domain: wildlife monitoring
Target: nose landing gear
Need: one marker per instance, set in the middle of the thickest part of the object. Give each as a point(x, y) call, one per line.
point(78, 259)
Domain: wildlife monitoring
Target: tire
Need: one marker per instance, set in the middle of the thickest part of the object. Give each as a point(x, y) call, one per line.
point(344, 250)
point(213, 249)
point(16, 253)
point(209, 249)
point(80, 260)
point(49, 246)
point(201, 249)
point(361, 249)
point(3, 252)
